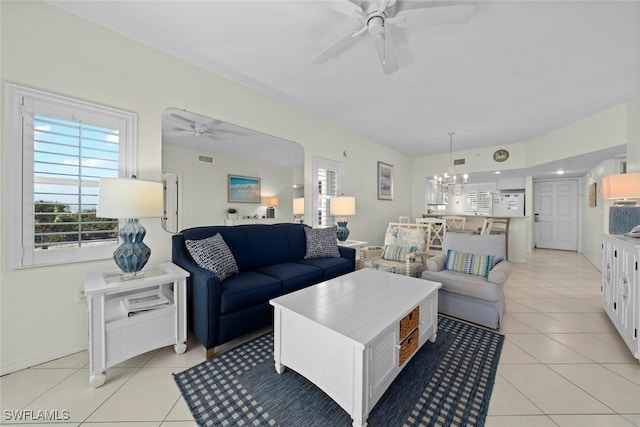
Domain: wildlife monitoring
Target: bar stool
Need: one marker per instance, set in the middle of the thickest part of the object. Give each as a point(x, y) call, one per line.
point(493, 225)
point(438, 230)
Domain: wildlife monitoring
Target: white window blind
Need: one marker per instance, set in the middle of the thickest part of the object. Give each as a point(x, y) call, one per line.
point(478, 202)
point(66, 147)
point(325, 186)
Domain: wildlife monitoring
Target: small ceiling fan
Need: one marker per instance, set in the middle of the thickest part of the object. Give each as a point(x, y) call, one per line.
point(380, 14)
point(183, 125)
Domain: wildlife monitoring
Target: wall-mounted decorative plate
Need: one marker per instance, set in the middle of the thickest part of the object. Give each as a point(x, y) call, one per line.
point(500, 155)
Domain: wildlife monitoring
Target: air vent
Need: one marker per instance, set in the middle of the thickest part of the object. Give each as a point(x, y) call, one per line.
point(459, 161)
point(205, 159)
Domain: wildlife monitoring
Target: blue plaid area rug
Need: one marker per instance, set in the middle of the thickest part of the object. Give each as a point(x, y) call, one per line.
point(446, 383)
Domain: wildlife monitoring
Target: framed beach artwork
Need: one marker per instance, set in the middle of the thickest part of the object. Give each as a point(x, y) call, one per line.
point(243, 189)
point(385, 181)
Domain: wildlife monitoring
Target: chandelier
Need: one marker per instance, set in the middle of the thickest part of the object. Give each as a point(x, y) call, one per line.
point(449, 181)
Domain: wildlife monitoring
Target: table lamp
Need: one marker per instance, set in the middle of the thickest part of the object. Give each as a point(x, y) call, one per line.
point(298, 209)
point(623, 215)
point(271, 202)
point(343, 206)
point(622, 187)
point(130, 199)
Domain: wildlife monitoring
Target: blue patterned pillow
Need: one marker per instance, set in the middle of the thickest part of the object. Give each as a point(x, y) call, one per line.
point(478, 265)
point(322, 242)
point(397, 252)
point(214, 255)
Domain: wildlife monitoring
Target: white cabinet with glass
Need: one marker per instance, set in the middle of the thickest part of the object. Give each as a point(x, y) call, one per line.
point(123, 323)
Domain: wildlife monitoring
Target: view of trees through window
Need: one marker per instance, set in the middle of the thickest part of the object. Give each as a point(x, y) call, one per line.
point(69, 160)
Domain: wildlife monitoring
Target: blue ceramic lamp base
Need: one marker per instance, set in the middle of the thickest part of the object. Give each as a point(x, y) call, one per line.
point(343, 231)
point(132, 255)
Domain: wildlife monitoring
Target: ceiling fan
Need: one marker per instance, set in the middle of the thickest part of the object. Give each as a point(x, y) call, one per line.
point(183, 125)
point(380, 14)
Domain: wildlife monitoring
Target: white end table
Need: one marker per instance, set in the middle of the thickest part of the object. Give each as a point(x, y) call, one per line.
point(114, 336)
point(356, 244)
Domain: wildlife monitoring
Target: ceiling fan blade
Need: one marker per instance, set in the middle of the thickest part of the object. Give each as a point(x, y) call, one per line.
point(339, 46)
point(182, 119)
point(386, 49)
point(346, 8)
point(436, 15)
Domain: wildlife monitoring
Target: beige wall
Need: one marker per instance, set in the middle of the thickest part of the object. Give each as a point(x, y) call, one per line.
point(633, 132)
point(46, 48)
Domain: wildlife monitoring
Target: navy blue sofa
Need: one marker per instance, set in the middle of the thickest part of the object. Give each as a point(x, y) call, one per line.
point(271, 263)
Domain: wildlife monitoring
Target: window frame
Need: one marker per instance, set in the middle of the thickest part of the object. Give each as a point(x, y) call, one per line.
point(18, 193)
point(327, 164)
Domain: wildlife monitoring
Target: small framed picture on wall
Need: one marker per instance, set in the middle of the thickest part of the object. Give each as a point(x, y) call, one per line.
point(385, 181)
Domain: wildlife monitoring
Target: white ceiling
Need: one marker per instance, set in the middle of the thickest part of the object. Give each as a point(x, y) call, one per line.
point(515, 70)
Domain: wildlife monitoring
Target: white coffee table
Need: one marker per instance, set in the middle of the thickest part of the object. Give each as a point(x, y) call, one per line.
point(352, 335)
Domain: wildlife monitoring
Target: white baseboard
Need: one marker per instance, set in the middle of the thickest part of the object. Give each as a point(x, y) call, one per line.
point(46, 355)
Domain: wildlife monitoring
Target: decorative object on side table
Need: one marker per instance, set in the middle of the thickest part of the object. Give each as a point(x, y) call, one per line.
point(271, 202)
point(385, 181)
point(343, 206)
point(232, 213)
point(624, 215)
point(130, 199)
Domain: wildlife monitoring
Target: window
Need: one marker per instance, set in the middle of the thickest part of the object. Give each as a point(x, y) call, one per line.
point(325, 186)
point(57, 151)
point(478, 201)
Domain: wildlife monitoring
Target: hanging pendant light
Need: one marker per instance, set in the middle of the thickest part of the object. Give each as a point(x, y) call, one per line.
point(449, 181)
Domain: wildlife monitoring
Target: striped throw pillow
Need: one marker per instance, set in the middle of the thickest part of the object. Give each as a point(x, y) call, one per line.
point(478, 265)
point(397, 252)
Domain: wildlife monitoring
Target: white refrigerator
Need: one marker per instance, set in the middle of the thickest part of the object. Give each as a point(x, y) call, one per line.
point(508, 204)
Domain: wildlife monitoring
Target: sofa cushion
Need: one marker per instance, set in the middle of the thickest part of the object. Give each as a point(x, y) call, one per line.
point(213, 254)
point(321, 243)
point(268, 244)
point(293, 275)
point(331, 267)
point(463, 262)
point(246, 289)
point(466, 284)
point(397, 252)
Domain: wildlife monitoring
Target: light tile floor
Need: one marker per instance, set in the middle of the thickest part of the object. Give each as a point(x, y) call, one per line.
point(563, 364)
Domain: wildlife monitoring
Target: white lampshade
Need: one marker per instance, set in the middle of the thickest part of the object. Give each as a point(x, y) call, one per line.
point(343, 206)
point(298, 206)
point(622, 186)
point(129, 198)
point(270, 200)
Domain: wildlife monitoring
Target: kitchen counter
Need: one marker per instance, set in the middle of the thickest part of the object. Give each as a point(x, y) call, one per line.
point(517, 232)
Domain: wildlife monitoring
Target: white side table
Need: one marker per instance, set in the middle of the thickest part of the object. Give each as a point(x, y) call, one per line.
point(114, 336)
point(356, 244)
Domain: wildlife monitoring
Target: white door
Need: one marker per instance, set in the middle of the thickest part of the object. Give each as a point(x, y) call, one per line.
point(556, 214)
point(171, 220)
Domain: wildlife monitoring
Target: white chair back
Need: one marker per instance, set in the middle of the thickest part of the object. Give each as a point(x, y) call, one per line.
point(455, 222)
point(438, 230)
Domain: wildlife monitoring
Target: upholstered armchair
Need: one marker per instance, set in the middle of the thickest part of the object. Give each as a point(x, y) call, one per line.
point(405, 251)
point(472, 270)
